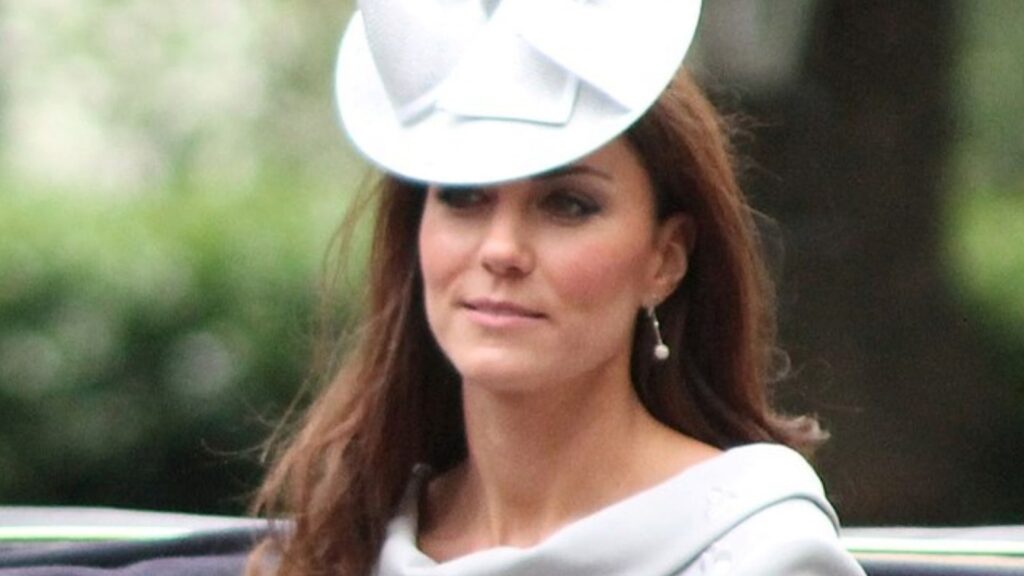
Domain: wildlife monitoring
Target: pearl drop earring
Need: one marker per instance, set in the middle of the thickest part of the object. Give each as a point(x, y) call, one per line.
point(661, 351)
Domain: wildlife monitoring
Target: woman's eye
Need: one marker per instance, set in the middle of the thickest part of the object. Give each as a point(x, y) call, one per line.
point(569, 205)
point(461, 198)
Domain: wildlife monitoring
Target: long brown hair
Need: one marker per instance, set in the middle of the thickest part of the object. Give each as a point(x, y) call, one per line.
point(395, 401)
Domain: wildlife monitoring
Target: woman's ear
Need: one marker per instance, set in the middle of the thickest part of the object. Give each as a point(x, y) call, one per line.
point(674, 242)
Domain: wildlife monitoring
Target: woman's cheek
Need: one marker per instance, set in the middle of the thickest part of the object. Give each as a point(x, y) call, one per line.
point(592, 274)
point(440, 251)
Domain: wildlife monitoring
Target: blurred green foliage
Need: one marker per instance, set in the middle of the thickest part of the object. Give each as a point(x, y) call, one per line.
point(988, 243)
point(985, 215)
point(146, 344)
point(170, 176)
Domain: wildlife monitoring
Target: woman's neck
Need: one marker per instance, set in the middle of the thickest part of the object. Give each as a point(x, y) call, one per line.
point(542, 459)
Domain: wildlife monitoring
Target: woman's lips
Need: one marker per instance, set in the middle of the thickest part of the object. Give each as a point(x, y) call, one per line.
point(500, 313)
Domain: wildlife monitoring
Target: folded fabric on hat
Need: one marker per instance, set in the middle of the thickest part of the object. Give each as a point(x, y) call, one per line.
point(478, 91)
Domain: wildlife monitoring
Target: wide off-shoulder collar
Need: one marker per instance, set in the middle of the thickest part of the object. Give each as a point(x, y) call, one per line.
point(661, 529)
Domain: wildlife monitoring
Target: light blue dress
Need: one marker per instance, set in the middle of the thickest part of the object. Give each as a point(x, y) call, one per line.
point(753, 510)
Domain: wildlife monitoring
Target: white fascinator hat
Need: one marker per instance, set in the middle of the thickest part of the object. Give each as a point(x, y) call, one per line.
point(470, 92)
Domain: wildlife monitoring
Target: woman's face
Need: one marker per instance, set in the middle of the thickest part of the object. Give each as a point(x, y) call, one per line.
point(540, 280)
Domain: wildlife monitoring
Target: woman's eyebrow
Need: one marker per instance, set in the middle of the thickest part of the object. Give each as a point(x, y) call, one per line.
point(572, 170)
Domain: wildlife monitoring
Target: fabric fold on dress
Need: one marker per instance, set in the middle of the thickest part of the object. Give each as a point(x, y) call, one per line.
point(659, 531)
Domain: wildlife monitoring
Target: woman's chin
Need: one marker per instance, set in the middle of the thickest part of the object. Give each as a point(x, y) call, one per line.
point(510, 369)
point(505, 373)
point(497, 379)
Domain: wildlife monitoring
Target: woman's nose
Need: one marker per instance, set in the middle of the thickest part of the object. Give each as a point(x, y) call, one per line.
point(506, 249)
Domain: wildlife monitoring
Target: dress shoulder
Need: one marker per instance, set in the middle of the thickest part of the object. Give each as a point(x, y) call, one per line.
point(780, 522)
point(757, 509)
point(792, 538)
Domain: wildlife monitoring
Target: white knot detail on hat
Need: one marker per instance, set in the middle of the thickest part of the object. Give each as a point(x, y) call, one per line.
point(523, 62)
point(541, 82)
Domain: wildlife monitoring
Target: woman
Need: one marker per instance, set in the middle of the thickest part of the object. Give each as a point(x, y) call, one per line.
point(564, 359)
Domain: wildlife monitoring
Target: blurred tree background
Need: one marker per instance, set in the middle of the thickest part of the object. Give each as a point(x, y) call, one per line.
point(170, 176)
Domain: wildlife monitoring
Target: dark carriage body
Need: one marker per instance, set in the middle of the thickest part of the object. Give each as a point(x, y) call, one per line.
point(98, 542)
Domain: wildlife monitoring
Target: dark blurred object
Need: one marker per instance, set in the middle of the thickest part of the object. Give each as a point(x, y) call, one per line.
point(31, 543)
point(852, 155)
point(63, 541)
